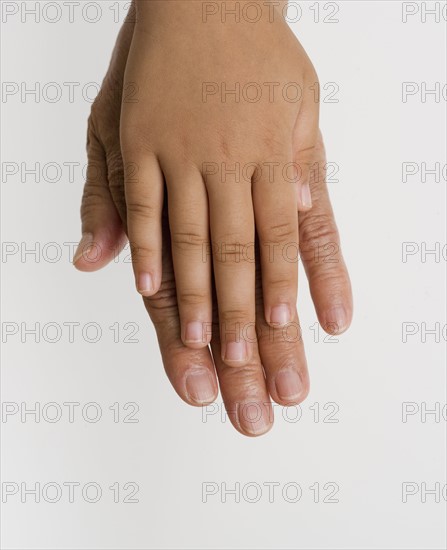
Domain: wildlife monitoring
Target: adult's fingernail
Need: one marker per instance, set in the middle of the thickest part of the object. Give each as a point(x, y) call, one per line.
point(288, 385)
point(253, 418)
point(200, 387)
point(306, 196)
point(336, 320)
point(145, 283)
point(85, 246)
point(280, 315)
point(236, 351)
point(194, 333)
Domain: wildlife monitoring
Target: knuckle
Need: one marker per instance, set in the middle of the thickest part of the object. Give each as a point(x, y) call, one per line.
point(280, 286)
point(229, 251)
point(223, 146)
point(96, 173)
point(95, 152)
point(282, 353)
point(115, 162)
point(334, 281)
point(116, 180)
point(274, 142)
point(188, 240)
point(284, 231)
point(244, 379)
point(141, 252)
point(318, 228)
point(164, 301)
point(140, 210)
point(92, 197)
point(231, 257)
point(192, 298)
point(234, 317)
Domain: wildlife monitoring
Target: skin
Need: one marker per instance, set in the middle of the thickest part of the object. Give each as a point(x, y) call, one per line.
point(277, 366)
point(172, 52)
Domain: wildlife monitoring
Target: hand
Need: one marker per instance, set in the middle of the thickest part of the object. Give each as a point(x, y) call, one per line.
point(173, 135)
point(192, 372)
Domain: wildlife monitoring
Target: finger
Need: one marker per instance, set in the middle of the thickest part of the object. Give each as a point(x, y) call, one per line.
point(232, 237)
point(244, 393)
point(190, 371)
point(322, 257)
point(282, 352)
point(305, 135)
point(274, 199)
point(103, 234)
point(188, 220)
point(144, 187)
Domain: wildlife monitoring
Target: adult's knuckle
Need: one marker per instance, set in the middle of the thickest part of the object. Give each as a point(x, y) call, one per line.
point(334, 282)
point(318, 228)
point(165, 301)
point(244, 379)
point(92, 197)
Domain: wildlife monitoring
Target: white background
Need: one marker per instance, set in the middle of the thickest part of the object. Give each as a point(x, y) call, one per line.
point(369, 374)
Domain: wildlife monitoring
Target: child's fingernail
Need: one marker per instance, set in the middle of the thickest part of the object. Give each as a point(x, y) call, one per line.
point(145, 283)
point(280, 315)
point(194, 332)
point(306, 197)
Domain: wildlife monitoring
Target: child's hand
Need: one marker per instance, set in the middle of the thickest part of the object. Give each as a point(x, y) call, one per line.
point(227, 161)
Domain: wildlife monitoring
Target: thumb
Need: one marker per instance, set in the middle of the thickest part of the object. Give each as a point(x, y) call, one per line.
point(103, 235)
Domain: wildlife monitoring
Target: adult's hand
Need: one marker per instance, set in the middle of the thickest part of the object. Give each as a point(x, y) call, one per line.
point(246, 390)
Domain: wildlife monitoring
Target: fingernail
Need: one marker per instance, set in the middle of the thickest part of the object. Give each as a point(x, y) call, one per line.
point(145, 283)
point(200, 387)
point(336, 320)
point(84, 247)
point(288, 385)
point(280, 315)
point(253, 418)
point(306, 197)
point(194, 332)
point(235, 351)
